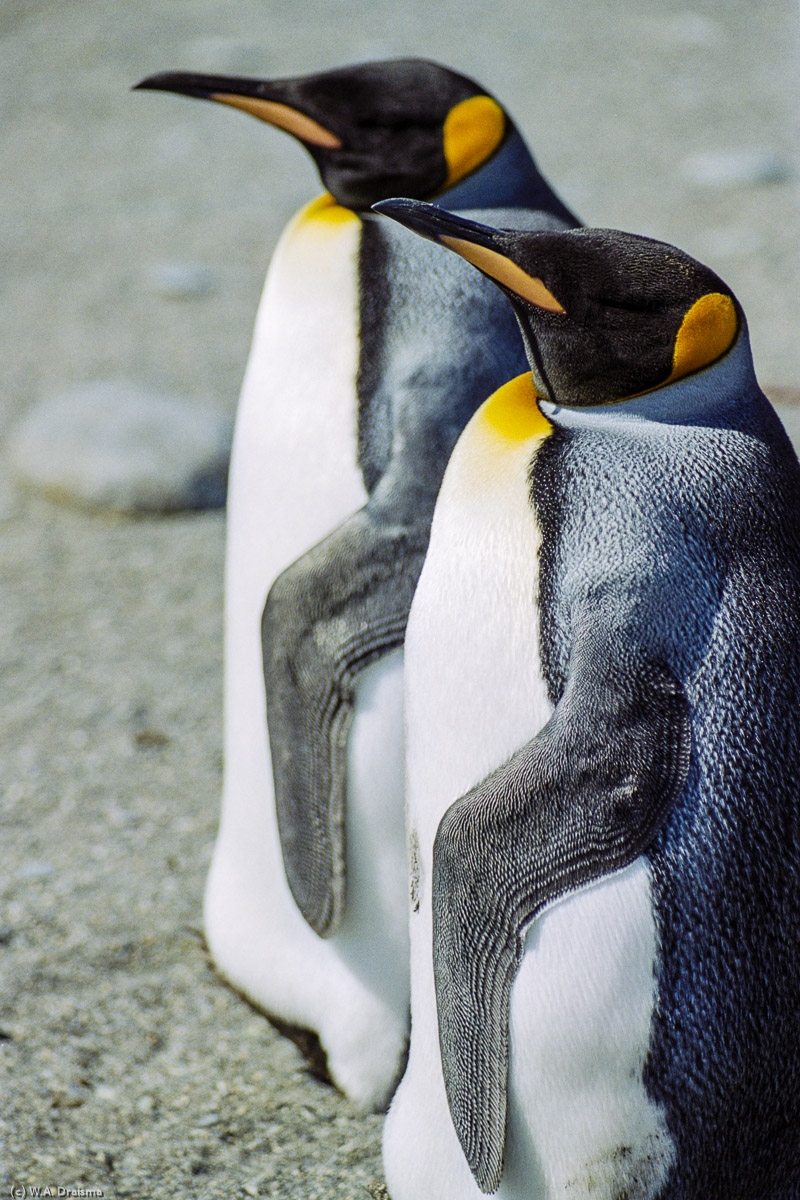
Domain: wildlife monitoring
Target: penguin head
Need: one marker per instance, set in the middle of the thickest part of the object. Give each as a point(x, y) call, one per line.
point(404, 126)
point(605, 315)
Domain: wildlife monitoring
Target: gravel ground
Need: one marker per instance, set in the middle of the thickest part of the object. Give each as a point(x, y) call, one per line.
point(127, 1065)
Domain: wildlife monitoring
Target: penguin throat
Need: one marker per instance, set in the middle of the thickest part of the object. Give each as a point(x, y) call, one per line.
point(541, 379)
point(506, 179)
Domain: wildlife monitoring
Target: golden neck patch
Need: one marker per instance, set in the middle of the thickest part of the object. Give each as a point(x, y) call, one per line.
point(706, 332)
point(513, 411)
point(283, 117)
point(473, 130)
point(494, 453)
point(325, 211)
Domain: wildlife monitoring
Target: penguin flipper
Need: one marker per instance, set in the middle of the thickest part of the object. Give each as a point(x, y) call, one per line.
point(340, 607)
point(582, 799)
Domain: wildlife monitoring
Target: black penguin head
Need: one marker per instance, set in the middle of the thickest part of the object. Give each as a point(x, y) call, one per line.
point(405, 126)
point(605, 315)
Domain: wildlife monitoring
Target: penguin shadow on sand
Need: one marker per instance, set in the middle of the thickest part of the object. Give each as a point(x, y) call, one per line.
point(603, 748)
point(370, 354)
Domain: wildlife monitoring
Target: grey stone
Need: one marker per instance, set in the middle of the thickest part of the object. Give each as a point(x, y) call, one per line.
point(208, 1119)
point(35, 870)
point(735, 168)
point(180, 280)
point(117, 445)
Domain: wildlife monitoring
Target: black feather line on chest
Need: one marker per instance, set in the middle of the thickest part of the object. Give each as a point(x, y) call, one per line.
point(374, 300)
point(549, 478)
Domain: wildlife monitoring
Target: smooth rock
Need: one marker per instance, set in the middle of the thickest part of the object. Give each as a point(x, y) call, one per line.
point(207, 1120)
point(119, 446)
point(180, 280)
point(735, 168)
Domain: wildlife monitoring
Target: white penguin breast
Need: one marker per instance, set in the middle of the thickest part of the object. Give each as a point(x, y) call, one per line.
point(294, 469)
point(475, 691)
point(580, 1121)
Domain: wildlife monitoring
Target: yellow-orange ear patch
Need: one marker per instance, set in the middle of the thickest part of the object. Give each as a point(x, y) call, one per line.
point(706, 332)
point(498, 267)
point(513, 411)
point(473, 130)
point(284, 117)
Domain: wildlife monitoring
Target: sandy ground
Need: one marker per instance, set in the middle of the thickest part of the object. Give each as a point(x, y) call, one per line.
point(126, 1064)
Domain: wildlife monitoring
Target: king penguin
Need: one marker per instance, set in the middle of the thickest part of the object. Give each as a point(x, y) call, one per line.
point(366, 364)
point(603, 740)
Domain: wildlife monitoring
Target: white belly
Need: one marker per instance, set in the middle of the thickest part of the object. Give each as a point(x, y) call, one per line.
point(294, 478)
point(582, 1000)
point(579, 1120)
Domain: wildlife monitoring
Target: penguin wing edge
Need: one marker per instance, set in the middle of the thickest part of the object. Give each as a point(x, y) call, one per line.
point(336, 610)
point(584, 798)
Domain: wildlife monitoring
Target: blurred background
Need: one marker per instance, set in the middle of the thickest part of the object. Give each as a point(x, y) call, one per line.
point(136, 231)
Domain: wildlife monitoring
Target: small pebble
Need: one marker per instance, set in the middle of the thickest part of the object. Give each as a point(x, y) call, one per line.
point(253, 1187)
point(117, 445)
point(145, 1104)
point(34, 870)
point(119, 816)
point(71, 1097)
point(735, 168)
point(151, 739)
point(104, 1092)
point(180, 281)
point(790, 417)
